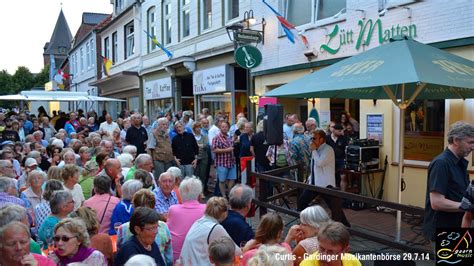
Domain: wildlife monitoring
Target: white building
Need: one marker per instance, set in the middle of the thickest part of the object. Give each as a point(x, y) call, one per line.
point(195, 32)
point(120, 42)
point(83, 58)
point(340, 29)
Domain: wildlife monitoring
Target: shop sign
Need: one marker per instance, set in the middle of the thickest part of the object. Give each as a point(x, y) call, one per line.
point(248, 36)
point(422, 148)
point(248, 56)
point(158, 89)
point(375, 127)
point(211, 80)
point(338, 38)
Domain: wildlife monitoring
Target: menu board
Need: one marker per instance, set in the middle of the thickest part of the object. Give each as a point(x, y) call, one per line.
point(375, 127)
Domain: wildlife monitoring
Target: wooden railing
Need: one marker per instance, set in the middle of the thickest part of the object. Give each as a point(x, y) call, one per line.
point(263, 201)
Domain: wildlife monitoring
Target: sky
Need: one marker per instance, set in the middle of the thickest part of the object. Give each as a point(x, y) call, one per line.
point(28, 24)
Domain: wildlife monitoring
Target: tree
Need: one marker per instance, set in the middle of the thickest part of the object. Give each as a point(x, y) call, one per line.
point(23, 79)
point(42, 77)
point(6, 82)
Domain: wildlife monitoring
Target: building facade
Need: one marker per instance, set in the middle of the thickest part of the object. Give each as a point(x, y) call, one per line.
point(340, 29)
point(202, 71)
point(83, 58)
point(120, 43)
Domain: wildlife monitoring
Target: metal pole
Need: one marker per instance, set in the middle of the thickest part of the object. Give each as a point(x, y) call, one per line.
point(400, 171)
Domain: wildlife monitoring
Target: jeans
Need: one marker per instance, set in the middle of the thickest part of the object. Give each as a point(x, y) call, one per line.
point(201, 171)
point(161, 167)
point(186, 170)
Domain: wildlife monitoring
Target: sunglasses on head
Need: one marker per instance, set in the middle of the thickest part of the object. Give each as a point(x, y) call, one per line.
point(62, 238)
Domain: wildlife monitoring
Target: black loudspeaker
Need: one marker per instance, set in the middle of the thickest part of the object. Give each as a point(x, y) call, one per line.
point(273, 124)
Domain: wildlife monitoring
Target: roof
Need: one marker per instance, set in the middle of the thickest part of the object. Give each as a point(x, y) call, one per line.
point(93, 18)
point(61, 36)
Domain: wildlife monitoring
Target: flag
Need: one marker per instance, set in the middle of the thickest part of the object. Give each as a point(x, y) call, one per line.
point(52, 67)
point(289, 29)
point(64, 75)
point(153, 39)
point(107, 64)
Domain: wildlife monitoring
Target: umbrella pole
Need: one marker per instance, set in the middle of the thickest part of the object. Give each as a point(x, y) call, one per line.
point(400, 171)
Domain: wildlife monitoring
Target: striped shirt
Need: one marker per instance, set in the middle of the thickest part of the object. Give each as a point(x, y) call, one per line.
point(225, 159)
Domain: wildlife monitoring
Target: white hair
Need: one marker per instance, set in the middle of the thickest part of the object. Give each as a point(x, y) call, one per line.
point(58, 143)
point(314, 216)
point(175, 172)
point(142, 158)
point(140, 260)
point(162, 120)
point(125, 160)
point(190, 188)
point(130, 187)
point(130, 149)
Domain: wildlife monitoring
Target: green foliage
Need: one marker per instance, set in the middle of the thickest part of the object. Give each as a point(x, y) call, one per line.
point(23, 79)
point(6, 82)
point(42, 77)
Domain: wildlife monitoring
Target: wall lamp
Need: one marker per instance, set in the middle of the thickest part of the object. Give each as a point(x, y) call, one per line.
point(249, 20)
point(254, 99)
point(344, 10)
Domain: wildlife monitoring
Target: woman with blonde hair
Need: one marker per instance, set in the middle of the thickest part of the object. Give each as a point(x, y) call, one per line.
point(204, 231)
point(54, 172)
point(98, 241)
point(268, 233)
point(72, 241)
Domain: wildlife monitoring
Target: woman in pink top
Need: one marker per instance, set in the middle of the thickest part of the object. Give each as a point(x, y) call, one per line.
point(102, 202)
point(268, 233)
point(182, 216)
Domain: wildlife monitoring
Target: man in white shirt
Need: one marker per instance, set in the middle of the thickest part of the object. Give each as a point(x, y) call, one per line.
point(288, 126)
point(108, 126)
point(322, 168)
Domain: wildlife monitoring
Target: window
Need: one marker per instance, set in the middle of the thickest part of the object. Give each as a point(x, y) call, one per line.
point(114, 48)
point(232, 9)
point(73, 68)
point(107, 48)
point(129, 39)
point(166, 22)
point(151, 28)
point(118, 6)
point(392, 3)
point(185, 10)
point(82, 59)
point(75, 63)
point(424, 129)
point(206, 14)
point(88, 54)
point(92, 53)
point(298, 13)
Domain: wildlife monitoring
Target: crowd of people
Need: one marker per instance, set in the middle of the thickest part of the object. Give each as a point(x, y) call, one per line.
point(78, 188)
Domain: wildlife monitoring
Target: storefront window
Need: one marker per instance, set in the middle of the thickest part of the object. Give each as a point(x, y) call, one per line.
point(159, 107)
point(133, 103)
point(217, 103)
point(424, 129)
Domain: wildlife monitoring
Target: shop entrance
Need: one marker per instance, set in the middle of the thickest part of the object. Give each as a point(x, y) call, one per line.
point(187, 100)
point(337, 106)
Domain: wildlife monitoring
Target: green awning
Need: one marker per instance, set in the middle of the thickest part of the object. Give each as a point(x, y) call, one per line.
point(370, 74)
